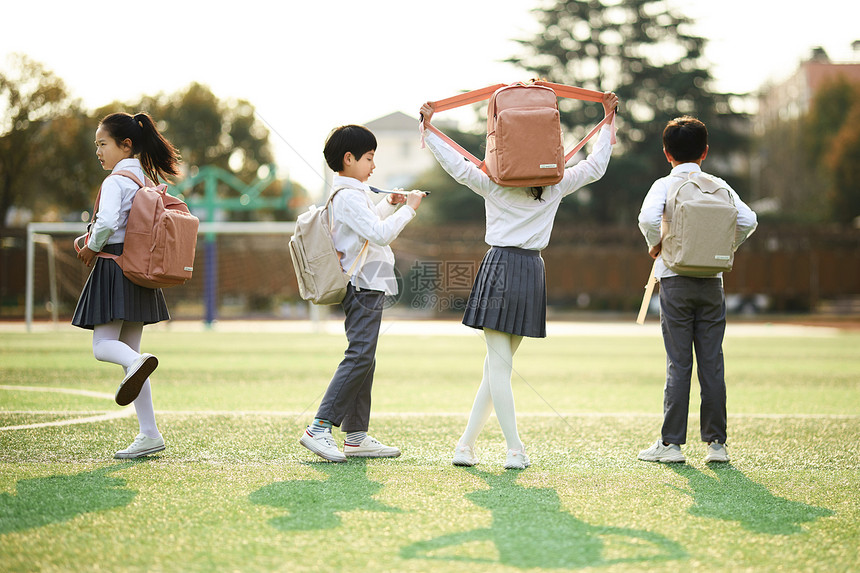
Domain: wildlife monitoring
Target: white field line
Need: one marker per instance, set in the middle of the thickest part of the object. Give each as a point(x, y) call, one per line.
point(101, 418)
point(294, 414)
point(112, 415)
point(88, 393)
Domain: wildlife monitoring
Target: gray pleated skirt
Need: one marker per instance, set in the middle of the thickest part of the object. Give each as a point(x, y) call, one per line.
point(109, 296)
point(509, 294)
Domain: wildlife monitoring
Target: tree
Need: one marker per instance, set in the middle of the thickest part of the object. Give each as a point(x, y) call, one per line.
point(784, 177)
point(209, 131)
point(30, 96)
point(68, 173)
point(832, 130)
point(644, 51)
point(452, 202)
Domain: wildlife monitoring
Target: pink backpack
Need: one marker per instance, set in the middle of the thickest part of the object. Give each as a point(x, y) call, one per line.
point(524, 140)
point(160, 239)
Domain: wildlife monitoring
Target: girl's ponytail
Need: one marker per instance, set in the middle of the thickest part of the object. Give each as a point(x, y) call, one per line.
point(158, 157)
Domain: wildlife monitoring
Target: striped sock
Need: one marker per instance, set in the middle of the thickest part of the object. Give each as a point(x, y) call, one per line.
point(354, 438)
point(318, 426)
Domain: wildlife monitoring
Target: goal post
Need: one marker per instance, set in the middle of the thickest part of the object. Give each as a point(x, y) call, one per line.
point(41, 233)
point(244, 259)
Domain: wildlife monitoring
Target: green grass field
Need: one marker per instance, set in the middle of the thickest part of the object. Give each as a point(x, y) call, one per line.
point(234, 491)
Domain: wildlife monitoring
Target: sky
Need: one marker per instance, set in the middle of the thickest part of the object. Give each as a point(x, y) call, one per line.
point(309, 66)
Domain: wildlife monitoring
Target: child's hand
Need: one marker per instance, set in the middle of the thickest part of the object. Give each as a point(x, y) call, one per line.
point(427, 111)
point(413, 199)
point(610, 102)
point(396, 198)
point(655, 250)
point(87, 256)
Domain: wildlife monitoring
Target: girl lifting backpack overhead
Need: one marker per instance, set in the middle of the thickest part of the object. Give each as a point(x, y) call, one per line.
point(523, 181)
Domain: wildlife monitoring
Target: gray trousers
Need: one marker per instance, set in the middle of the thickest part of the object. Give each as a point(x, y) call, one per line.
point(693, 316)
point(346, 402)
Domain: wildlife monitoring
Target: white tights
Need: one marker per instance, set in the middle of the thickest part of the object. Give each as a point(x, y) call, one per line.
point(495, 391)
point(119, 342)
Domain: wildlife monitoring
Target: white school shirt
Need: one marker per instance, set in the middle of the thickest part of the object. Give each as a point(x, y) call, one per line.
point(651, 214)
point(117, 194)
point(514, 217)
point(356, 219)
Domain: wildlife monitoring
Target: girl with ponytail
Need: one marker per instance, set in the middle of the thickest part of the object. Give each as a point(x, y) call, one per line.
point(110, 305)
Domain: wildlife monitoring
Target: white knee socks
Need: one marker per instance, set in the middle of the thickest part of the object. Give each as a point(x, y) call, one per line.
point(119, 342)
point(495, 390)
point(107, 346)
point(481, 409)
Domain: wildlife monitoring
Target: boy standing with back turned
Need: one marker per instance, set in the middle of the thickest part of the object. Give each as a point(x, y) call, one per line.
point(692, 309)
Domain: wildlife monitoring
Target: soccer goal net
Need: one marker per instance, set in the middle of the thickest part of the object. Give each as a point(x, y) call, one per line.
point(241, 270)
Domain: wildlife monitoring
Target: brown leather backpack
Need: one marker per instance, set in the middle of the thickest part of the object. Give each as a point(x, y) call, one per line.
point(524, 139)
point(160, 238)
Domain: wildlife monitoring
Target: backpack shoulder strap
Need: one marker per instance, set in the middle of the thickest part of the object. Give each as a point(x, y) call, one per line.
point(710, 184)
point(130, 175)
point(674, 187)
point(122, 173)
point(362, 255)
point(453, 102)
point(572, 92)
point(333, 193)
point(482, 94)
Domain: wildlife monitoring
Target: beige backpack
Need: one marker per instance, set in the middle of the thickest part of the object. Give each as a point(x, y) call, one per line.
point(316, 261)
point(699, 223)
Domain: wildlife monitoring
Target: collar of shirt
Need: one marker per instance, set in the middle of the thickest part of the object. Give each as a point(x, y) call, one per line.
point(686, 168)
point(341, 181)
point(130, 162)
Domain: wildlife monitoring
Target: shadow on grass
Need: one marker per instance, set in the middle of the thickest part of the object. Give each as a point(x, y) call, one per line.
point(316, 504)
point(530, 529)
point(732, 496)
point(54, 499)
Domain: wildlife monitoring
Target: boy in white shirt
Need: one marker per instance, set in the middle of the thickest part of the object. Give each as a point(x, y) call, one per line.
point(359, 224)
point(692, 309)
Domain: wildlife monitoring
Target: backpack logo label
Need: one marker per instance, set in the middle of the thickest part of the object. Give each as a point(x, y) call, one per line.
point(548, 165)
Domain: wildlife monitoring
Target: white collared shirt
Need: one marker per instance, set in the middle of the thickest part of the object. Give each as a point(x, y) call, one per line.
point(651, 214)
point(117, 194)
point(514, 217)
point(356, 219)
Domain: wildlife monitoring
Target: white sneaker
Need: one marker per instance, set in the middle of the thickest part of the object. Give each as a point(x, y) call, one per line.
point(465, 456)
point(370, 447)
point(717, 453)
point(137, 374)
point(660, 453)
point(323, 445)
point(517, 460)
point(141, 446)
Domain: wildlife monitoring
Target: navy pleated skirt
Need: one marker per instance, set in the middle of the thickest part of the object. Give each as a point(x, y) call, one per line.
point(109, 296)
point(509, 294)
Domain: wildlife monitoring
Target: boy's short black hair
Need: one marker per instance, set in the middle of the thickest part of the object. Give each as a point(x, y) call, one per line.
point(685, 138)
point(355, 139)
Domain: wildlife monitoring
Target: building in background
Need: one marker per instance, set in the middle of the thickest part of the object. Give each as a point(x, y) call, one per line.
point(791, 99)
point(399, 157)
point(782, 179)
